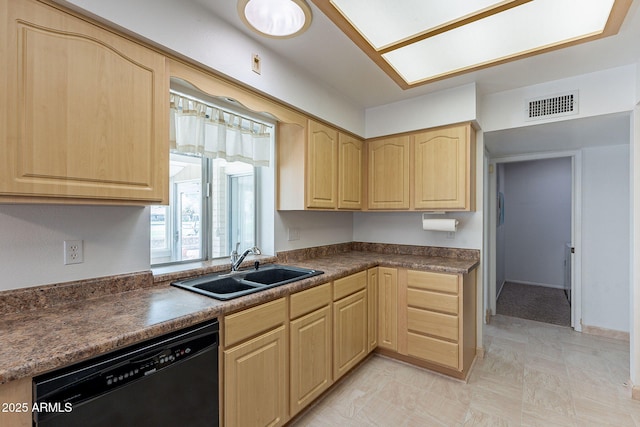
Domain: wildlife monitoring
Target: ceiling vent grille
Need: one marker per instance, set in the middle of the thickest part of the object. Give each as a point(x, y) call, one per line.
point(558, 105)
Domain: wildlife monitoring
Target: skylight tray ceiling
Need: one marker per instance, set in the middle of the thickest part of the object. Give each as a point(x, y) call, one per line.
point(421, 41)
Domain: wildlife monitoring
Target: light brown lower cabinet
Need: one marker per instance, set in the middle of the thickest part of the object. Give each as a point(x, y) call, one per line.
point(311, 346)
point(256, 371)
point(17, 393)
point(372, 303)
point(350, 323)
point(388, 308)
point(437, 319)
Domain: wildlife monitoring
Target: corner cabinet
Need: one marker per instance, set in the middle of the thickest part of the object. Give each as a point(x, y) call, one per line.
point(319, 168)
point(83, 111)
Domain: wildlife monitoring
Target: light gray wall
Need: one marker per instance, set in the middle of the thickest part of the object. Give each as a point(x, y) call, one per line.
point(537, 221)
point(605, 237)
point(116, 241)
point(314, 228)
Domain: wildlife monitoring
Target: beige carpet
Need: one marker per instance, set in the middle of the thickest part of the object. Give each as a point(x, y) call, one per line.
point(548, 305)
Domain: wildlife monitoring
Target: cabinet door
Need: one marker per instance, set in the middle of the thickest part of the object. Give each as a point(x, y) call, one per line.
point(443, 168)
point(83, 112)
point(310, 357)
point(372, 303)
point(256, 381)
point(388, 308)
point(349, 172)
point(16, 392)
point(322, 166)
point(388, 173)
point(350, 337)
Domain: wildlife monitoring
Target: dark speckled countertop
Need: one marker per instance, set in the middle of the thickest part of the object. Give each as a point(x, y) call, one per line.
point(52, 326)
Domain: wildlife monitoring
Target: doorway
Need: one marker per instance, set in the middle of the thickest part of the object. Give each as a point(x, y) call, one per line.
point(533, 232)
point(534, 202)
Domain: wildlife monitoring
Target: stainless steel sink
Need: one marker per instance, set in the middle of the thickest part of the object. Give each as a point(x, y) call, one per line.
point(238, 283)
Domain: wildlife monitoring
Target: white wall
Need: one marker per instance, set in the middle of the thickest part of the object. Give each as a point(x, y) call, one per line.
point(634, 303)
point(601, 92)
point(606, 237)
point(116, 241)
point(537, 221)
point(214, 43)
point(435, 109)
point(315, 229)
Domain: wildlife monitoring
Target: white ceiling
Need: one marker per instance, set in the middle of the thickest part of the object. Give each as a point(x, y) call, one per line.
point(325, 53)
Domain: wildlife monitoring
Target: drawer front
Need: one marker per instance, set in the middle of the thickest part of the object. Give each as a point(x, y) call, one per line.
point(433, 350)
point(307, 301)
point(427, 280)
point(349, 285)
point(253, 321)
point(432, 323)
point(435, 301)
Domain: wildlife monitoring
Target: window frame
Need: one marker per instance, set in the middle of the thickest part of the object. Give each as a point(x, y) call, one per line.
point(172, 216)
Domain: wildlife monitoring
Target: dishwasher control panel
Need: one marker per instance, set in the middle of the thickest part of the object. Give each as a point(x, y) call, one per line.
point(147, 366)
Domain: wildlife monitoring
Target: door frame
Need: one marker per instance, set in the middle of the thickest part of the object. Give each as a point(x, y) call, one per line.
point(576, 226)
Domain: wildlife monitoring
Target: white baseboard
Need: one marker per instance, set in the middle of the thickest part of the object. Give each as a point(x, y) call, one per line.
point(604, 332)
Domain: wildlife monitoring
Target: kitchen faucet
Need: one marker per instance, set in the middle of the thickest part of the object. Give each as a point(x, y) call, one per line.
point(237, 260)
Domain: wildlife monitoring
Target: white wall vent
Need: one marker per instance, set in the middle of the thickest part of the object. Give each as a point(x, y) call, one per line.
point(565, 104)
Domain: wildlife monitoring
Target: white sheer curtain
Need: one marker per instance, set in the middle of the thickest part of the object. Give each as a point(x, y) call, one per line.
point(198, 128)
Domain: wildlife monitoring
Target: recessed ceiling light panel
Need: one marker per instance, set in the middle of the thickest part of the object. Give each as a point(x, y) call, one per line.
point(384, 22)
point(420, 41)
point(536, 25)
point(275, 18)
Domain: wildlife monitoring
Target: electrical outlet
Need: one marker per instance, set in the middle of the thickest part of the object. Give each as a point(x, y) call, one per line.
point(255, 63)
point(294, 234)
point(73, 252)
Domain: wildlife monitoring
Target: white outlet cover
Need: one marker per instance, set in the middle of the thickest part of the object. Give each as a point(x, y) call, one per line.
point(73, 252)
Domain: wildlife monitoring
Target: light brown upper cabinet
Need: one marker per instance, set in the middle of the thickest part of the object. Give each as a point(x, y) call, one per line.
point(431, 170)
point(444, 168)
point(322, 166)
point(83, 111)
point(319, 168)
point(349, 172)
point(388, 173)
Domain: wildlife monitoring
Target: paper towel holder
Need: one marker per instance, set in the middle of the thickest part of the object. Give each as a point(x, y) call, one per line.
point(450, 225)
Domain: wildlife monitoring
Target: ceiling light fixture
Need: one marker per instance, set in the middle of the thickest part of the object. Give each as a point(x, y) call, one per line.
point(275, 18)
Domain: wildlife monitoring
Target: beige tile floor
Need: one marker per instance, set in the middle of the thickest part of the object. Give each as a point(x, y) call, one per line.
point(532, 374)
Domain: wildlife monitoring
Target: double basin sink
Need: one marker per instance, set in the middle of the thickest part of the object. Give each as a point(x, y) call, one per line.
point(239, 283)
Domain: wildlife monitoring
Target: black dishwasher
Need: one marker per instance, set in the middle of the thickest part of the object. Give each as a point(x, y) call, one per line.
point(167, 381)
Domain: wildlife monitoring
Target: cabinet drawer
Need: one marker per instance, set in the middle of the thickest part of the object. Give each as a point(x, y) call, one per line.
point(433, 350)
point(435, 301)
point(349, 285)
point(439, 282)
point(253, 321)
point(432, 323)
point(307, 301)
